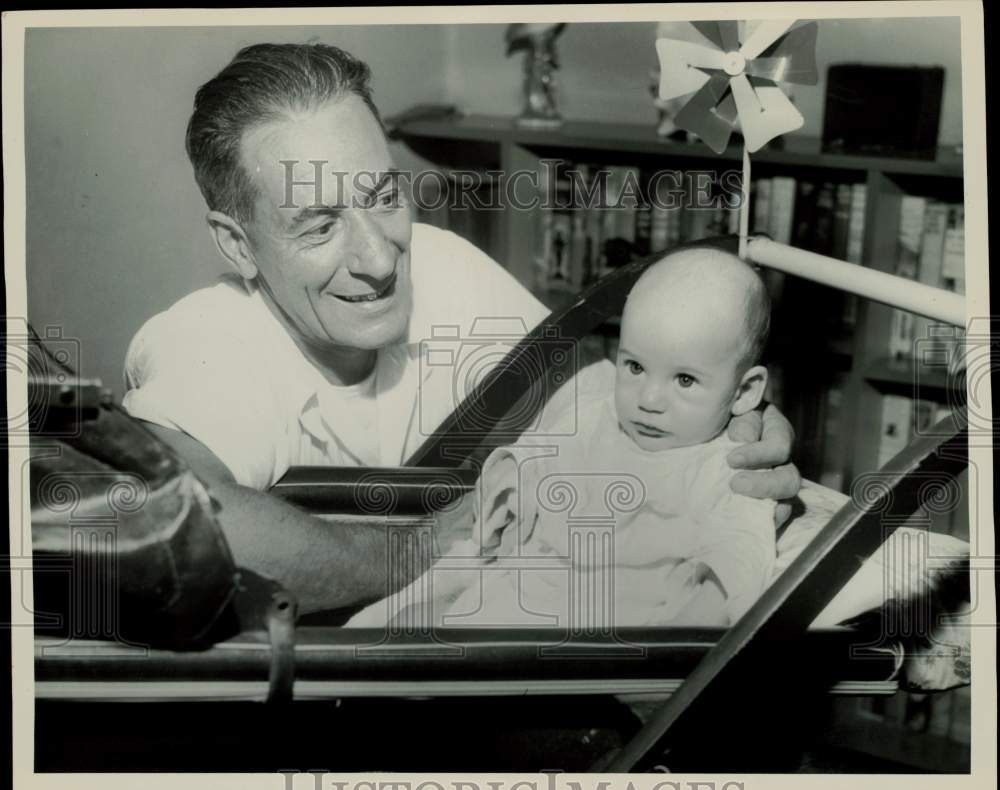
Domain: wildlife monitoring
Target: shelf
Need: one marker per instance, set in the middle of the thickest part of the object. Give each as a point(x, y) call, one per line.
point(904, 377)
point(795, 151)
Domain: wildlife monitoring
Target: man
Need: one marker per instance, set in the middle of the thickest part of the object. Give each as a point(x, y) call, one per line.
point(311, 353)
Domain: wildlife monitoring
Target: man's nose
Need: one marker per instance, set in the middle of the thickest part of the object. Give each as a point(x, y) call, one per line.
point(368, 252)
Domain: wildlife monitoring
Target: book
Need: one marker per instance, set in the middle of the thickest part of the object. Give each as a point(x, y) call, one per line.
point(762, 206)
point(823, 229)
point(643, 222)
point(630, 197)
point(578, 273)
point(562, 238)
point(659, 222)
point(782, 208)
point(780, 219)
point(594, 228)
point(841, 221)
point(543, 259)
point(911, 229)
point(929, 270)
point(856, 224)
point(832, 467)
point(894, 433)
point(953, 256)
point(855, 246)
point(803, 233)
point(732, 219)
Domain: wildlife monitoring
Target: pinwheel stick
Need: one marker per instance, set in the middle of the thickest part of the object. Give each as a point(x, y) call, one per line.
point(914, 297)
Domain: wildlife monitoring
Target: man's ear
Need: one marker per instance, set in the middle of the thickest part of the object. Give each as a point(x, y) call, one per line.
point(750, 392)
point(233, 243)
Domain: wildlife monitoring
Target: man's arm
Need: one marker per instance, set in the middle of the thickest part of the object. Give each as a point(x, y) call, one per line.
point(325, 566)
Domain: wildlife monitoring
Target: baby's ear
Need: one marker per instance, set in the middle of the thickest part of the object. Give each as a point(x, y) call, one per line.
point(750, 392)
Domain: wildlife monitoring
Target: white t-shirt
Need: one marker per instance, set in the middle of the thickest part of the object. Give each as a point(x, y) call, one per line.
point(218, 366)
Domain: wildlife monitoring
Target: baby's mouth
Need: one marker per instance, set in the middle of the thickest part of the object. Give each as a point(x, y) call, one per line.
point(385, 290)
point(648, 430)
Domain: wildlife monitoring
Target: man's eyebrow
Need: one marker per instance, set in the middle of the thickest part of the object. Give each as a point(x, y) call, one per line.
point(309, 213)
point(384, 177)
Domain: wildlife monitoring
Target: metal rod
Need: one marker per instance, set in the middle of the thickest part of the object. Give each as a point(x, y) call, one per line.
point(900, 292)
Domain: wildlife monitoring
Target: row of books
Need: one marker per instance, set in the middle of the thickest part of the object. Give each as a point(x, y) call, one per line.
point(594, 219)
point(823, 217)
point(931, 250)
point(581, 238)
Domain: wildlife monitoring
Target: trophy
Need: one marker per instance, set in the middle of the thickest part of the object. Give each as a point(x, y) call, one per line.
point(538, 39)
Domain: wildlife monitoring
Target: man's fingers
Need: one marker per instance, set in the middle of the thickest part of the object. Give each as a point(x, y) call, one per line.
point(777, 425)
point(774, 447)
point(782, 512)
point(745, 428)
point(781, 483)
point(765, 454)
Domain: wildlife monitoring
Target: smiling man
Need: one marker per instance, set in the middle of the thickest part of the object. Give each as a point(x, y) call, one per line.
point(309, 352)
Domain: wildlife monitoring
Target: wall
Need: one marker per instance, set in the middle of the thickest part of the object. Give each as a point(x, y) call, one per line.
point(604, 72)
point(115, 222)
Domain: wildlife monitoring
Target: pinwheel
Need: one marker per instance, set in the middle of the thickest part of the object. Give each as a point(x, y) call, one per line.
point(735, 80)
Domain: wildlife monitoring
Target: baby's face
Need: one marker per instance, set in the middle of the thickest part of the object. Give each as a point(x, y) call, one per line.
point(676, 378)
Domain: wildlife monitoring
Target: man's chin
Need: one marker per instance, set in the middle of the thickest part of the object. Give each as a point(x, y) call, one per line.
point(371, 336)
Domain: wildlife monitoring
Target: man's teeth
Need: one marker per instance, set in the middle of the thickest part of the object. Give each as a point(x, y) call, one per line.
point(369, 297)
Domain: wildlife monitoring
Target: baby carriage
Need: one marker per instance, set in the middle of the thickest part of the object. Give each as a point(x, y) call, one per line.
point(195, 638)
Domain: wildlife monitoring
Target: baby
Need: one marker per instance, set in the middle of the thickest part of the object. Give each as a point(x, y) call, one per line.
point(628, 518)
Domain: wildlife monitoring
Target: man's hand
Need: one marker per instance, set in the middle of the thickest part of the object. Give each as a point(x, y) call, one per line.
point(767, 449)
point(453, 524)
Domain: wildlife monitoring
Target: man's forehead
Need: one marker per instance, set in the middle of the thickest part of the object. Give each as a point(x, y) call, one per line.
point(329, 151)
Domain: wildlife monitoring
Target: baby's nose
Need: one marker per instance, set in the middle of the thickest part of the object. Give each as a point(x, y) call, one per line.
point(651, 398)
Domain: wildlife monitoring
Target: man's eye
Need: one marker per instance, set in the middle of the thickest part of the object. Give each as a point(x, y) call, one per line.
point(322, 230)
point(633, 367)
point(685, 381)
point(388, 199)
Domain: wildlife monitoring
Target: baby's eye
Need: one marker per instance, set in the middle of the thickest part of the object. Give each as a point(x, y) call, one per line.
point(633, 367)
point(685, 380)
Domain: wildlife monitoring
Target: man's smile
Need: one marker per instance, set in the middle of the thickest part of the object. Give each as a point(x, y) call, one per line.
point(386, 289)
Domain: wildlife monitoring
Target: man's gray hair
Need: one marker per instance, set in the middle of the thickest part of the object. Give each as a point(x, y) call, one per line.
point(262, 83)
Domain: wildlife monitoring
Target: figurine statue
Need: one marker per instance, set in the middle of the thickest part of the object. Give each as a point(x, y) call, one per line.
point(539, 66)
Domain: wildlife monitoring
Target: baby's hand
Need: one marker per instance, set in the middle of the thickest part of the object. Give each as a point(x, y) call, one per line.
point(767, 448)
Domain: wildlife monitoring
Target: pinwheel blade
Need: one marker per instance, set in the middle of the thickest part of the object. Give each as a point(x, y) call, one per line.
point(793, 60)
point(725, 34)
point(681, 64)
point(763, 35)
point(765, 112)
point(726, 110)
point(699, 116)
